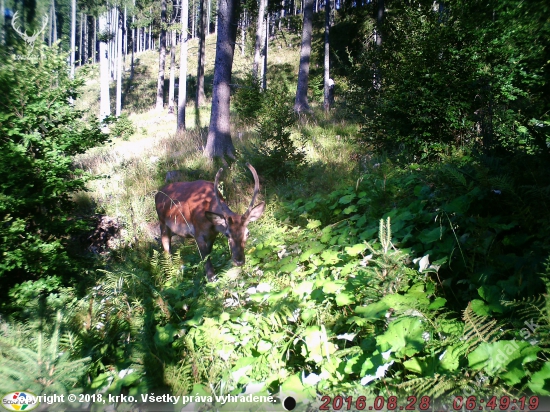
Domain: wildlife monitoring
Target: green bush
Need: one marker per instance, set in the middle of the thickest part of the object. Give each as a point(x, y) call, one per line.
point(278, 156)
point(40, 131)
point(248, 99)
point(123, 127)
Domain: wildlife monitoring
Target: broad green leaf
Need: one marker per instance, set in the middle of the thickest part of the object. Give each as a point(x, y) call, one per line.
point(312, 224)
point(355, 249)
point(311, 249)
point(505, 359)
point(540, 381)
point(403, 337)
point(430, 236)
point(330, 256)
point(374, 311)
point(347, 199)
point(437, 303)
point(333, 286)
point(344, 298)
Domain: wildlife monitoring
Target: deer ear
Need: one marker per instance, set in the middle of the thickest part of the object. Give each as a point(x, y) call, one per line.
point(256, 212)
point(216, 219)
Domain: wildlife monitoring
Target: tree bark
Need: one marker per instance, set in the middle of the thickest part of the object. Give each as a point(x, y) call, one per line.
point(200, 97)
point(259, 38)
point(219, 143)
point(172, 72)
point(327, 86)
point(182, 91)
point(119, 64)
point(162, 56)
point(73, 36)
point(105, 104)
point(266, 48)
point(301, 103)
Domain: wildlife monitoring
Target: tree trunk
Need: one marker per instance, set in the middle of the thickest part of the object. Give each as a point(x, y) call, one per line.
point(162, 56)
point(327, 85)
point(73, 36)
point(219, 143)
point(119, 64)
point(243, 33)
point(2, 14)
point(301, 103)
point(200, 97)
point(54, 17)
point(94, 46)
point(266, 47)
point(260, 31)
point(80, 42)
point(172, 72)
point(105, 104)
point(182, 91)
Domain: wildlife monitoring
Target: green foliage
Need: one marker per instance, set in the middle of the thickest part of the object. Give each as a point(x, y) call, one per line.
point(36, 361)
point(276, 154)
point(40, 131)
point(248, 100)
point(470, 74)
point(123, 127)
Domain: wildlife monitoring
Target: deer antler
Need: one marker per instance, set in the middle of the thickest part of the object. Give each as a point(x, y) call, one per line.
point(29, 39)
point(216, 181)
point(256, 189)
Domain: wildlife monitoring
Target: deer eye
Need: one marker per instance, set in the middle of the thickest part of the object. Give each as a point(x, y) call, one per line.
point(226, 234)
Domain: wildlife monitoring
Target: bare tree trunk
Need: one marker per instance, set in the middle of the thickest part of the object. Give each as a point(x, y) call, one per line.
point(193, 17)
point(119, 65)
point(182, 91)
point(266, 47)
point(80, 42)
point(50, 28)
point(94, 47)
point(259, 38)
point(243, 33)
point(219, 143)
point(105, 104)
point(2, 22)
point(85, 47)
point(54, 17)
point(172, 72)
point(301, 103)
point(162, 56)
point(133, 45)
point(73, 36)
point(200, 97)
point(327, 85)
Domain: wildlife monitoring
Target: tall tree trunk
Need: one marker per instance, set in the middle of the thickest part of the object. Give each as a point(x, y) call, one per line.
point(2, 22)
point(200, 97)
point(73, 36)
point(105, 104)
point(327, 85)
point(85, 47)
point(260, 31)
point(119, 64)
point(95, 46)
point(54, 17)
point(377, 82)
point(80, 41)
point(193, 19)
point(182, 91)
point(266, 48)
point(301, 104)
point(243, 33)
point(50, 28)
point(219, 143)
point(162, 56)
point(133, 45)
point(172, 72)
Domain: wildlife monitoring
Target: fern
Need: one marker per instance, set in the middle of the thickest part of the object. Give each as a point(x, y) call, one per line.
point(478, 329)
point(41, 367)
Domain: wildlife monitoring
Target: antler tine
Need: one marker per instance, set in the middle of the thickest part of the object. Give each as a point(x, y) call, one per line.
point(216, 181)
point(13, 20)
point(256, 188)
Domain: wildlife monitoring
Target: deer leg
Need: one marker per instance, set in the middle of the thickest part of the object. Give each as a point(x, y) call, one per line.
point(205, 248)
point(166, 237)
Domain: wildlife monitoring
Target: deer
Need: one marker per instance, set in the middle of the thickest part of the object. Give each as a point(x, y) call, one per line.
point(29, 39)
point(197, 210)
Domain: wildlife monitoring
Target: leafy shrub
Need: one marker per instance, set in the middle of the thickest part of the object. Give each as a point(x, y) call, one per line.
point(248, 99)
point(123, 127)
point(40, 131)
point(278, 157)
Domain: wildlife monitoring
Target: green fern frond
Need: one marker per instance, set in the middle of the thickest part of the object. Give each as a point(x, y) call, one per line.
point(478, 328)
